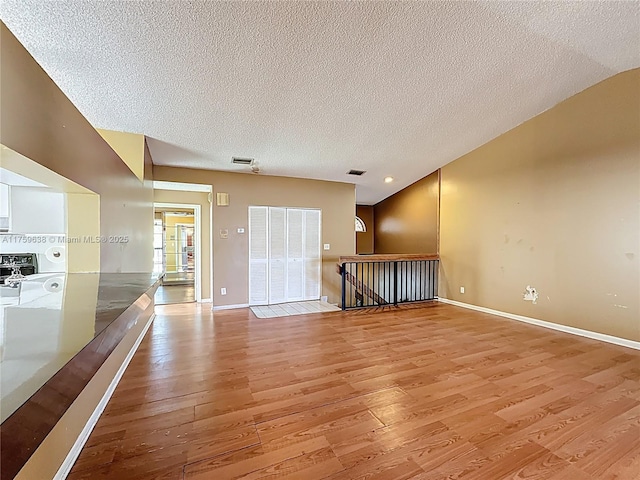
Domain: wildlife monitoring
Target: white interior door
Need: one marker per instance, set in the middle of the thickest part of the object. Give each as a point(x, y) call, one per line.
point(277, 255)
point(312, 255)
point(258, 255)
point(285, 261)
point(295, 255)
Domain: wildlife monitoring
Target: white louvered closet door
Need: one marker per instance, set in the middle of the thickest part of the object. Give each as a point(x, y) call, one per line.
point(277, 255)
point(295, 254)
point(312, 255)
point(258, 255)
point(284, 255)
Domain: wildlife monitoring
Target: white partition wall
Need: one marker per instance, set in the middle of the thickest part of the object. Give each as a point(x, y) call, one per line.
point(284, 255)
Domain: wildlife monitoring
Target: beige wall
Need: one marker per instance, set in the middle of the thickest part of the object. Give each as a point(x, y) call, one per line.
point(129, 147)
point(82, 219)
point(38, 121)
point(230, 255)
point(552, 204)
point(364, 240)
point(407, 222)
point(202, 199)
point(173, 220)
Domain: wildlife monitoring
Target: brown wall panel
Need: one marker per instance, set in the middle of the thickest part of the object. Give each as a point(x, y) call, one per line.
point(38, 121)
point(364, 240)
point(407, 222)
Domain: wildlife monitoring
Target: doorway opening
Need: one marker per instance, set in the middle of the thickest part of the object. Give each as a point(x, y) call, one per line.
point(176, 253)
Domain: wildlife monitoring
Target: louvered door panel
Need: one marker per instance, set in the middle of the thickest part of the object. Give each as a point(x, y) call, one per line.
point(258, 255)
point(277, 255)
point(295, 251)
point(285, 261)
point(311, 255)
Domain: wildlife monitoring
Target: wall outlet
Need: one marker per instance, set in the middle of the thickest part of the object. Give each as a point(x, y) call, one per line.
point(223, 291)
point(461, 289)
point(327, 246)
point(530, 294)
point(241, 230)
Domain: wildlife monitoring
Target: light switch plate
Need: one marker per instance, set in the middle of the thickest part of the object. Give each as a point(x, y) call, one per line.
point(327, 246)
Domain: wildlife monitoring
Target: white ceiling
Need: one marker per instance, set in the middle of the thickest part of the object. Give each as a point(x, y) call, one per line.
point(315, 89)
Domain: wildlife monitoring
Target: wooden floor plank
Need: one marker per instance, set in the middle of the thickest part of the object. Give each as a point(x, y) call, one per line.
point(422, 392)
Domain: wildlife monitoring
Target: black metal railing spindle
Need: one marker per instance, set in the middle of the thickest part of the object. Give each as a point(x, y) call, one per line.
point(386, 282)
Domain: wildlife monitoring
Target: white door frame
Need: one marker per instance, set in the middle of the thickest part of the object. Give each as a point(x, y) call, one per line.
point(198, 240)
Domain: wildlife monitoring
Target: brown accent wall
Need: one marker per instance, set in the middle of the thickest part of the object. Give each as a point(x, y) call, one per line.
point(553, 204)
point(38, 121)
point(230, 255)
point(364, 240)
point(407, 222)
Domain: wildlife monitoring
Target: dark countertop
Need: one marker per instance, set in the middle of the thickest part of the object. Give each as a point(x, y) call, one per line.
point(53, 316)
point(57, 330)
point(116, 291)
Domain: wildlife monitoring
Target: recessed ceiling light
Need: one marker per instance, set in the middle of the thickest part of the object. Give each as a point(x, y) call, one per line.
point(388, 179)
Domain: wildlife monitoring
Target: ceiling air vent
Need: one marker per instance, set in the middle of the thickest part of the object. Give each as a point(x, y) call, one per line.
point(242, 161)
point(356, 172)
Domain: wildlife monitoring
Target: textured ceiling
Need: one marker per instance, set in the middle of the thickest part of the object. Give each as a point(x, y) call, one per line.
point(315, 89)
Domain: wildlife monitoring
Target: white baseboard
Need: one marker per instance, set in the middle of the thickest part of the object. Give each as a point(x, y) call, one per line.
point(206, 300)
point(73, 454)
point(553, 326)
point(230, 307)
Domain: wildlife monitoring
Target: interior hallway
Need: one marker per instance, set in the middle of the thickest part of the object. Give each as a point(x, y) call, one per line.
point(170, 294)
point(414, 392)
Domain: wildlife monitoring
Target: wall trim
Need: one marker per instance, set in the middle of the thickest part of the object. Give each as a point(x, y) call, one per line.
point(206, 300)
point(230, 307)
point(553, 326)
point(74, 453)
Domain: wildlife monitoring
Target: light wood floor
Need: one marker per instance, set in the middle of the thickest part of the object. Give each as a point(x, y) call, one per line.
point(168, 294)
point(436, 392)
